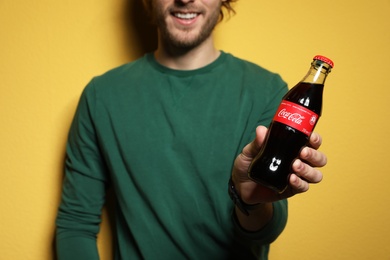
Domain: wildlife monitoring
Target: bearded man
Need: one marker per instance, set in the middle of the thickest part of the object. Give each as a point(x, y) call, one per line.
point(166, 132)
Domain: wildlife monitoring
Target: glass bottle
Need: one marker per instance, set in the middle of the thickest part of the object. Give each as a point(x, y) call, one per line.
point(291, 127)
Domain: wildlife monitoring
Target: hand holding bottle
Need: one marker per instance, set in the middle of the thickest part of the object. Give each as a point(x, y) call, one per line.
point(305, 171)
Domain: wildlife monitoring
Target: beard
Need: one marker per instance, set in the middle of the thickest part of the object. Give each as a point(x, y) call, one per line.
point(184, 38)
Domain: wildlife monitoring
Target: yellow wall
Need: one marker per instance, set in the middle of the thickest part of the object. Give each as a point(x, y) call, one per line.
point(49, 50)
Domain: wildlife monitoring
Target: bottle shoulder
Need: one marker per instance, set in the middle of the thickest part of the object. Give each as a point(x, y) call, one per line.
point(307, 95)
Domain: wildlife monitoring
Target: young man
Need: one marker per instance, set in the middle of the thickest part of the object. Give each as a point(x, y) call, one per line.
point(166, 132)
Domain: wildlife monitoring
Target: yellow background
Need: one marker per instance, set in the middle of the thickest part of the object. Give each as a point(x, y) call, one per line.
point(50, 49)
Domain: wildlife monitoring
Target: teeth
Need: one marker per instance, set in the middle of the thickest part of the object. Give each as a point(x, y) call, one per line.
point(185, 16)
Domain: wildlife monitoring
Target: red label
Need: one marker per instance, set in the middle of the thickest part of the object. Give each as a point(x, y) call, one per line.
point(296, 116)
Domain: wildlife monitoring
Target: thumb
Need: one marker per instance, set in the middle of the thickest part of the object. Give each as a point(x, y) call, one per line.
point(253, 148)
point(250, 151)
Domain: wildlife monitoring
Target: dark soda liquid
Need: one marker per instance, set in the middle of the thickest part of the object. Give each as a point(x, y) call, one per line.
point(272, 166)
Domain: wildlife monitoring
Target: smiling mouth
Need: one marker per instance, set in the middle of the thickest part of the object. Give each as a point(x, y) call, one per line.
point(186, 16)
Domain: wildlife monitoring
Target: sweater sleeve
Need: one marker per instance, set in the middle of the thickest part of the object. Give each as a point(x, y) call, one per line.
point(83, 191)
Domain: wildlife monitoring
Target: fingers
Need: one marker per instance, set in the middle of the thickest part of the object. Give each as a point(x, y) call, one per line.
point(301, 179)
point(310, 158)
point(306, 172)
point(314, 157)
point(298, 185)
point(311, 155)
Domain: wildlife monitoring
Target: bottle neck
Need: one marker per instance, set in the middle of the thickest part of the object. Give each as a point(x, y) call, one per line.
point(317, 73)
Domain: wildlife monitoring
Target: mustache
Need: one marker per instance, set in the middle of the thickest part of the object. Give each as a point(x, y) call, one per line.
point(185, 8)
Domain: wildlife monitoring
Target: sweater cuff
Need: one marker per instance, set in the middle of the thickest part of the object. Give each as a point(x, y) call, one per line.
point(271, 230)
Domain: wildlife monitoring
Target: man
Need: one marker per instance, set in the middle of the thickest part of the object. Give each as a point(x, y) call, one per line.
point(166, 132)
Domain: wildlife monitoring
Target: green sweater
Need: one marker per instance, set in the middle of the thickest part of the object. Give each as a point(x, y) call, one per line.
point(165, 141)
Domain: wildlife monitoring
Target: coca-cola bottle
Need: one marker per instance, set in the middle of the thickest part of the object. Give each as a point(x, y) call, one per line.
point(291, 128)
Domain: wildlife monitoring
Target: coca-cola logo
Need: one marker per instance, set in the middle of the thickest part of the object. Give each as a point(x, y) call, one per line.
point(293, 117)
point(296, 116)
